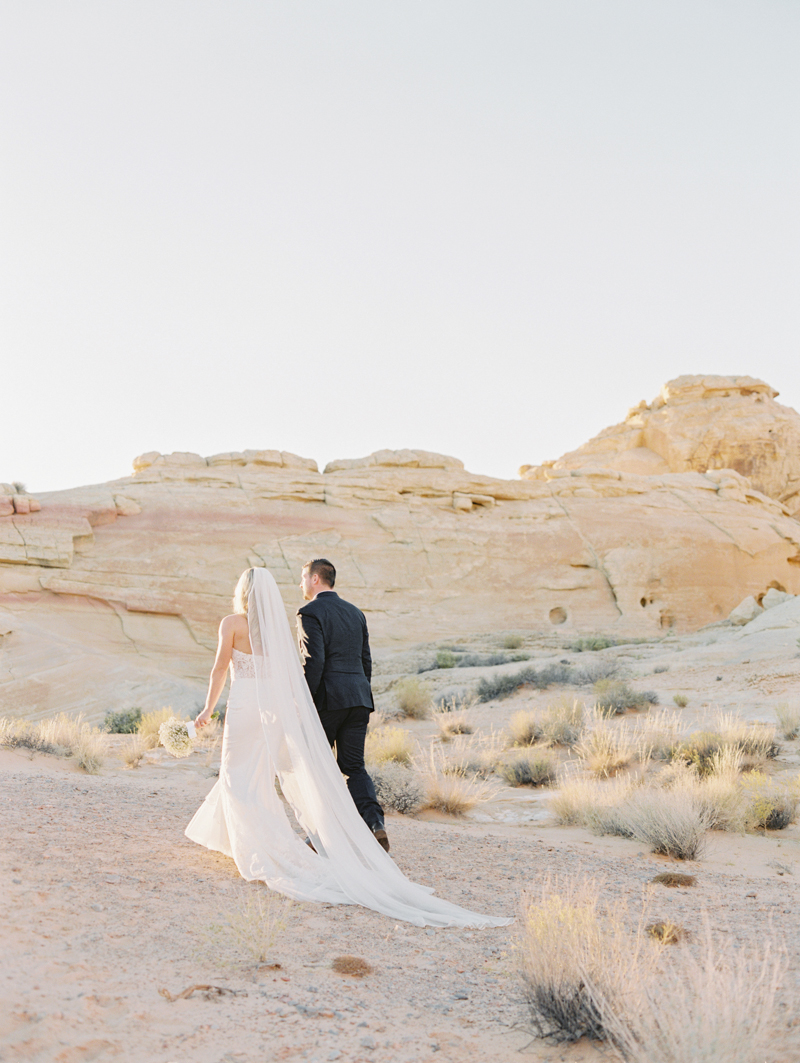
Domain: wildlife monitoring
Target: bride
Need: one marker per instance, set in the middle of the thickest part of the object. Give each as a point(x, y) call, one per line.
point(272, 729)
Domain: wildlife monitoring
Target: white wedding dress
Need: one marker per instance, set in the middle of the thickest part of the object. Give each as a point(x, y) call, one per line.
point(272, 729)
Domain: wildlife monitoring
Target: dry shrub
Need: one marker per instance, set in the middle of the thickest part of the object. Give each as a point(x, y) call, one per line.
point(770, 804)
point(63, 735)
point(674, 879)
point(458, 701)
point(584, 974)
point(248, 926)
point(607, 750)
point(133, 751)
point(451, 793)
point(660, 734)
point(512, 642)
point(666, 933)
point(388, 744)
point(716, 1005)
point(537, 768)
point(563, 723)
point(353, 966)
point(151, 721)
point(673, 823)
point(789, 720)
point(576, 964)
point(524, 729)
point(615, 696)
point(413, 698)
point(470, 757)
point(452, 724)
point(19, 734)
point(397, 788)
point(584, 803)
point(680, 700)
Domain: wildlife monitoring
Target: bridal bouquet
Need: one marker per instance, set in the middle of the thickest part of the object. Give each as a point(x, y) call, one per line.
point(176, 736)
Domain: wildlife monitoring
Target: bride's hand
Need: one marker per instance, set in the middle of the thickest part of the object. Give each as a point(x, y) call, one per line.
point(202, 718)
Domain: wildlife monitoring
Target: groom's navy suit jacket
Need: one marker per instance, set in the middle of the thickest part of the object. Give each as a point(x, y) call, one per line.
point(336, 660)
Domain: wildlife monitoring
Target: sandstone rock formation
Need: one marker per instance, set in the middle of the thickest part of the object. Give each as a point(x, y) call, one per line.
point(699, 423)
point(111, 595)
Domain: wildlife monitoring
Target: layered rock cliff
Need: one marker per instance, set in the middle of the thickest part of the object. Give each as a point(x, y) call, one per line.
point(111, 595)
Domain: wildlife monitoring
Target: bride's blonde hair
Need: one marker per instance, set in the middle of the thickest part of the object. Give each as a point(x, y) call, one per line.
point(242, 592)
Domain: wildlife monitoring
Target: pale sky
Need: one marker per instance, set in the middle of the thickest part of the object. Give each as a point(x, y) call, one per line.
point(480, 228)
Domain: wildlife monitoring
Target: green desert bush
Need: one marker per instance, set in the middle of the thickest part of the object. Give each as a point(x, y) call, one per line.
point(615, 696)
point(595, 669)
point(680, 700)
point(536, 768)
point(512, 642)
point(397, 788)
point(125, 722)
point(590, 643)
point(789, 720)
point(446, 659)
point(502, 685)
point(413, 698)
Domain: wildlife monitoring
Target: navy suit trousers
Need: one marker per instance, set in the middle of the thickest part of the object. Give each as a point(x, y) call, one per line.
point(347, 728)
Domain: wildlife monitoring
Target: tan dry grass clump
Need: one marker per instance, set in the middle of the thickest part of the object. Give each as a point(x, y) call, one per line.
point(353, 966)
point(788, 720)
point(413, 698)
point(524, 729)
point(563, 723)
point(584, 973)
point(150, 723)
point(62, 735)
point(713, 1005)
point(666, 933)
point(452, 724)
point(384, 744)
point(451, 793)
point(607, 750)
point(248, 926)
point(571, 955)
point(134, 750)
point(534, 768)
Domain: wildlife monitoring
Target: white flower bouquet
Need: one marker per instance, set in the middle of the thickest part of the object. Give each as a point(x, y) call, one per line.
point(176, 736)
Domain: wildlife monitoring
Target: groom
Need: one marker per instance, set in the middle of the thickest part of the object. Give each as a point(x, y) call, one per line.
point(334, 643)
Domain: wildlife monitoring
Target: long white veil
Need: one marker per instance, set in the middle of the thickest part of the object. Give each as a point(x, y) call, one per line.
point(349, 864)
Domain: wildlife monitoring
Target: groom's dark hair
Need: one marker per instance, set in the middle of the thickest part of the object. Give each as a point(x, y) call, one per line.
point(322, 568)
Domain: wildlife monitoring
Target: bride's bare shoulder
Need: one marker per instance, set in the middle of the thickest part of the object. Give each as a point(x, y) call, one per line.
point(235, 623)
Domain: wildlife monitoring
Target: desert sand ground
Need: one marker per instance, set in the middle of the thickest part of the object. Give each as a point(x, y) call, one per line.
point(106, 903)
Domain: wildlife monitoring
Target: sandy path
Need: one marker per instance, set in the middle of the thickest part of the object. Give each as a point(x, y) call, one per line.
point(106, 901)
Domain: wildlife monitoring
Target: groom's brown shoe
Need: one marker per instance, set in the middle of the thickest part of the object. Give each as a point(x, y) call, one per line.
point(381, 837)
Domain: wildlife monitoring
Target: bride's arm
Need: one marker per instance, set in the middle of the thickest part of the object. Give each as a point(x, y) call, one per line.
point(217, 679)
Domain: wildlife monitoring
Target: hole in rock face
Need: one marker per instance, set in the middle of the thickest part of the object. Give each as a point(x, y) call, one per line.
point(558, 615)
point(643, 602)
